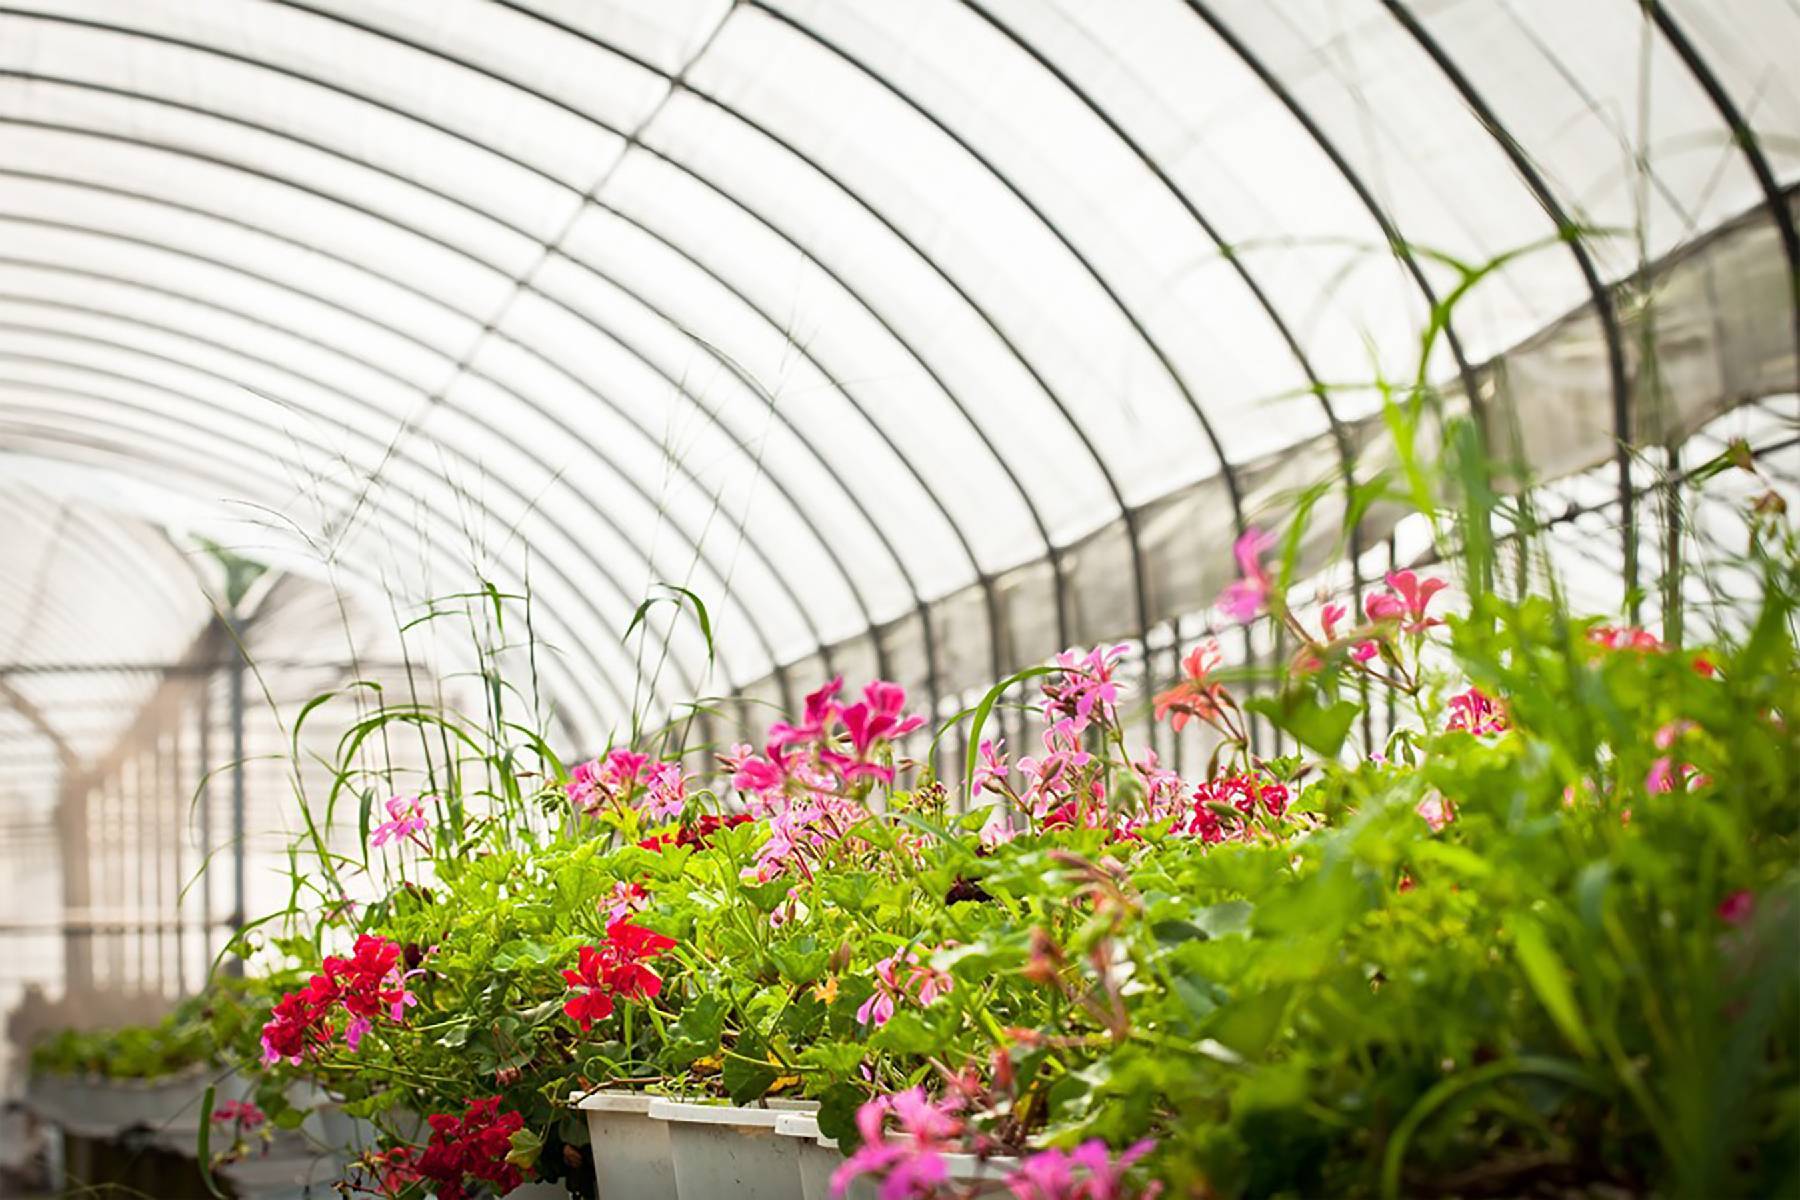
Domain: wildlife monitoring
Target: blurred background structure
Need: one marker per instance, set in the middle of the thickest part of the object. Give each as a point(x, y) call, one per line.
point(920, 340)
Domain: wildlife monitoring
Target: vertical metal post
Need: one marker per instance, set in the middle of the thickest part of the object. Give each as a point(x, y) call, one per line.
point(203, 797)
point(239, 907)
point(77, 882)
point(177, 834)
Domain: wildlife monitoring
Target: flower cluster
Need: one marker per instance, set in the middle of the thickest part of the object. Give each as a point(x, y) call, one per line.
point(911, 1166)
point(624, 778)
point(1476, 712)
point(694, 834)
point(242, 1113)
point(807, 780)
point(1226, 808)
point(463, 1154)
point(369, 984)
point(1088, 1172)
point(616, 968)
point(902, 979)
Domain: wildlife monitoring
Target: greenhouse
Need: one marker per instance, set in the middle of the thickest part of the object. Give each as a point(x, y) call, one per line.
point(797, 599)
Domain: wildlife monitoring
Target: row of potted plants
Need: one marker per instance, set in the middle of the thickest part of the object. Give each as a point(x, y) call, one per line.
point(1539, 937)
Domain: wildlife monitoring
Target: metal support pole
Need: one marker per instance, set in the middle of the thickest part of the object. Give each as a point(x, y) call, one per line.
point(203, 798)
point(239, 906)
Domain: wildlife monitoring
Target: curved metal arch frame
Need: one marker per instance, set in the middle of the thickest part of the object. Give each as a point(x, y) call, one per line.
point(191, 467)
point(435, 543)
point(280, 286)
point(1745, 138)
point(359, 316)
point(1128, 514)
point(1599, 294)
point(538, 355)
point(351, 94)
point(310, 381)
point(355, 315)
point(132, 454)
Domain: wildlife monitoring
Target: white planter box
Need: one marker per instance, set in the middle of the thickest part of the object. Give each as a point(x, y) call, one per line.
point(632, 1158)
point(818, 1158)
point(91, 1107)
point(723, 1152)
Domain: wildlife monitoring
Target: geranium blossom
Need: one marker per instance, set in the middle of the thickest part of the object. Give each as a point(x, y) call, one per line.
point(473, 1147)
point(615, 968)
point(406, 817)
point(1088, 1172)
point(1242, 600)
point(1436, 812)
point(369, 984)
point(1405, 602)
point(902, 979)
point(1474, 711)
point(1083, 687)
point(1197, 695)
point(911, 1166)
point(241, 1112)
point(603, 782)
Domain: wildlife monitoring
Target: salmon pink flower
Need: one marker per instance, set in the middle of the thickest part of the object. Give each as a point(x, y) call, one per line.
point(1197, 695)
point(1242, 600)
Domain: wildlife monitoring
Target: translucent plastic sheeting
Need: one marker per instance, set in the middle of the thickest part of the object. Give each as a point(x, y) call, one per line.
point(919, 339)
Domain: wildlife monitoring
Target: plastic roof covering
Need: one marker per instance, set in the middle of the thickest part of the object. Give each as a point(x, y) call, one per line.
point(827, 310)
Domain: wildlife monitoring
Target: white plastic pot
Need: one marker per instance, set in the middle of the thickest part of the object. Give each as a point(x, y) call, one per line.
point(723, 1152)
point(632, 1159)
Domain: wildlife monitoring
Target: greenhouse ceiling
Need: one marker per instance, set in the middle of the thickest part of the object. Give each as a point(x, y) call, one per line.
point(923, 338)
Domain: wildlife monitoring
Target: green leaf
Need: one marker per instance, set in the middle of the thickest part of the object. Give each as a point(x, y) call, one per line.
point(1549, 979)
point(748, 1073)
point(907, 1033)
point(696, 1034)
point(1319, 727)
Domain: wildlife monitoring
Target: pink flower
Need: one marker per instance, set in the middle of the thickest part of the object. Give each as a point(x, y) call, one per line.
point(406, 817)
point(1241, 601)
point(1665, 737)
point(901, 978)
point(822, 710)
point(1661, 777)
point(990, 770)
point(666, 793)
point(1738, 907)
point(1362, 652)
point(910, 1167)
point(1437, 812)
point(614, 779)
point(626, 899)
point(1329, 616)
point(243, 1112)
point(1088, 1172)
point(1406, 602)
point(1197, 694)
point(1083, 686)
point(1474, 711)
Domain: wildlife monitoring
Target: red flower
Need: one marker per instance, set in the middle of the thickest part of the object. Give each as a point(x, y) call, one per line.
point(615, 968)
point(473, 1147)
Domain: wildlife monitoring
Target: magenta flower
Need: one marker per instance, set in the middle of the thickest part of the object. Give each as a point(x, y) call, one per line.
point(666, 791)
point(1088, 1172)
point(615, 779)
point(1406, 602)
point(406, 817)
point(1241, 601)
point(910, 1167)
point(1661, 777)
point(1738, 907)
point(822, 712)
point(1474, 711)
